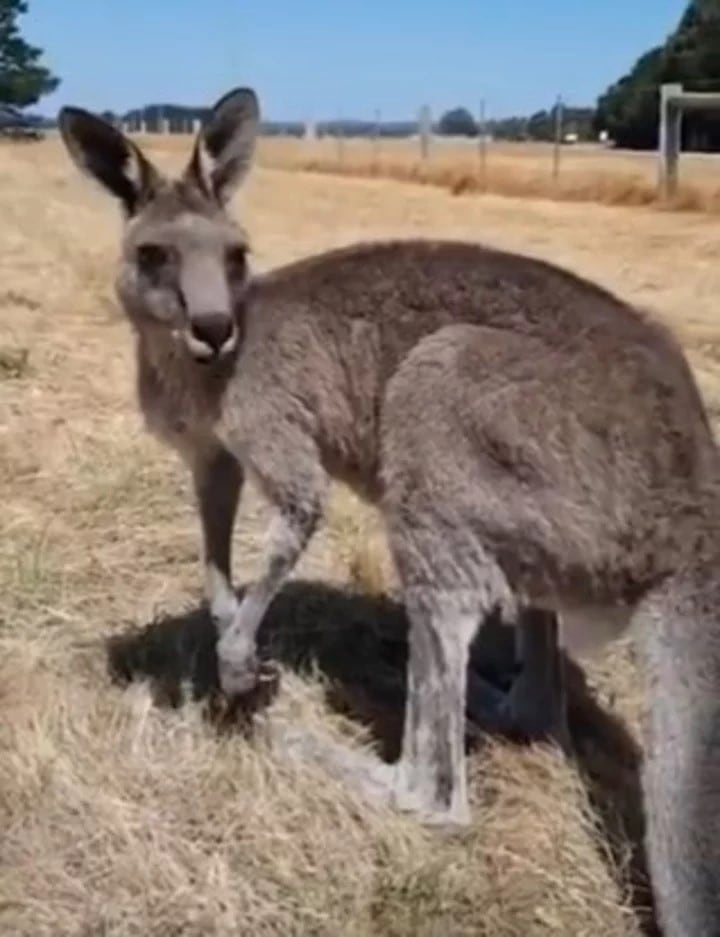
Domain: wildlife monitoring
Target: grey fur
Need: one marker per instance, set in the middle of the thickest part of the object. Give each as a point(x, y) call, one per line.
point(532, 441)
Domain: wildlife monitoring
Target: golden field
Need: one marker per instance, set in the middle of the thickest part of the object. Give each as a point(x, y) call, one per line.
point(123, 818)
point(586, 172)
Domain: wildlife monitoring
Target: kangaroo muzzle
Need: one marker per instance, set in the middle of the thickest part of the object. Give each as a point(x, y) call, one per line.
point(211, 336)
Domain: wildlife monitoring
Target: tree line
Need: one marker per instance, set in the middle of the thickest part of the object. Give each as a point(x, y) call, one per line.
point(627, 111)
point(457, 122)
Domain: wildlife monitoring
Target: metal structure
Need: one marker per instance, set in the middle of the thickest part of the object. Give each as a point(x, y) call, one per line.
point(674, 101)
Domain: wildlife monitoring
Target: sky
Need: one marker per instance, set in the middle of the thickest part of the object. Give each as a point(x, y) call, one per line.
point(320, 59)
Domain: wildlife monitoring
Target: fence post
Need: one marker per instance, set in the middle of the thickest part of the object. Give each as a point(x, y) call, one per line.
point(558, 137)
point(425, 128)
point(482, 143)
point(340, 138)
point(376, 138)
point(669, 138)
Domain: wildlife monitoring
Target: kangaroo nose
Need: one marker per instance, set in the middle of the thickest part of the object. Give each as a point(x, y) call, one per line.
point(213, 329)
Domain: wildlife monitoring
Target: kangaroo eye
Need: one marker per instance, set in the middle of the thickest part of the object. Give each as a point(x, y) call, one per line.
point(151, 257)
point(236, 258)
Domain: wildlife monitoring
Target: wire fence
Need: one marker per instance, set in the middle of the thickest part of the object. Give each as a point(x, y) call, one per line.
point(342, 139)
point(562, 157)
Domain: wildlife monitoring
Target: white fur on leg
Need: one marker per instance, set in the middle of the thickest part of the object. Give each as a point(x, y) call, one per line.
point(221, 598)
point(236, 649)
point(430, 776)
point(407, 798)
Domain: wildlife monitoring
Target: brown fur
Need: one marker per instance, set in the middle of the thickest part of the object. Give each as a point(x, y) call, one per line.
point(532, 441)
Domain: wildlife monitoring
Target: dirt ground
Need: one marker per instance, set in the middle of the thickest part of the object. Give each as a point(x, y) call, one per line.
point(120, 817)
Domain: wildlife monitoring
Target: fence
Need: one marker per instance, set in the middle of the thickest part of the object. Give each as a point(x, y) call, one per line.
point(423, 131)
point(417, 149)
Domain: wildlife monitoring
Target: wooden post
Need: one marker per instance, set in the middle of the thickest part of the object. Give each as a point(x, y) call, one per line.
point(558, 137)
point(340, 142)
point(482, 143)
point(669, 137)
point(376, 138)
point(425, 129)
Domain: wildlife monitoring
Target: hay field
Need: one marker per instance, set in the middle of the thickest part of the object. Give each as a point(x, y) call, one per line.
point(587, 172)
point(126, 819)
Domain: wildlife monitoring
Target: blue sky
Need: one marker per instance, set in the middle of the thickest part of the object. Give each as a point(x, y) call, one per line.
point(328, 58)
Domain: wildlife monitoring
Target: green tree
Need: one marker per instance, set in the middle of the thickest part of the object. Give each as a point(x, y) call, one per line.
point(23, 78)
point(628, 110)
point(457, 123)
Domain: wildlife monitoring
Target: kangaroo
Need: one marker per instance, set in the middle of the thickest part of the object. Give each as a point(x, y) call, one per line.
point(534, 443)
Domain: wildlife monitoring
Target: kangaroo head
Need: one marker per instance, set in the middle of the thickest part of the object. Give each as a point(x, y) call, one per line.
point(183, 266)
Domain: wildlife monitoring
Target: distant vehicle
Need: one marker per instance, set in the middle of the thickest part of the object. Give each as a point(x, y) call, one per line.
point(18, 126)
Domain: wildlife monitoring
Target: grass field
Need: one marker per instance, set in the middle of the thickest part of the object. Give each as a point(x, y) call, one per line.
point(125, 819)
point(586, 172)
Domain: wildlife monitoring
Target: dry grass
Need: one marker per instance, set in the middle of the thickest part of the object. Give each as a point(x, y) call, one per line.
point(123, 818)
point(588, 173)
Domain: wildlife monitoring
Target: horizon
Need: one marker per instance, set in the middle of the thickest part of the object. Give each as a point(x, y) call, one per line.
point(328, 64)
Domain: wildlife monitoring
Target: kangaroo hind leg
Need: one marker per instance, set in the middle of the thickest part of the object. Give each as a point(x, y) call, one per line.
point(537, 703)
point(535, 708)
point(446, 600)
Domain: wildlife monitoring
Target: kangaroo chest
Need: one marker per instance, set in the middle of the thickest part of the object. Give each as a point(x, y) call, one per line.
point(177, 406)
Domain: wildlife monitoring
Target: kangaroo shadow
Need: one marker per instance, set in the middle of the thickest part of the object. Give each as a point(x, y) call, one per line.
point(359, 643)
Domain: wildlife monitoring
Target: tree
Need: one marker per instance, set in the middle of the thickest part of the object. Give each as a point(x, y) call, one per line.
point(23, 79)
point(457, 123)
point(629, 109)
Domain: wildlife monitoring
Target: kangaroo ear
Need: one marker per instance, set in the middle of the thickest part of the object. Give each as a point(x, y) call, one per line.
point(225, 146)
point(106, 154)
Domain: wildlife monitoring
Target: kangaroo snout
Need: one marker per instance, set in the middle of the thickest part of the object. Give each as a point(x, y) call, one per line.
point(211, 336)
